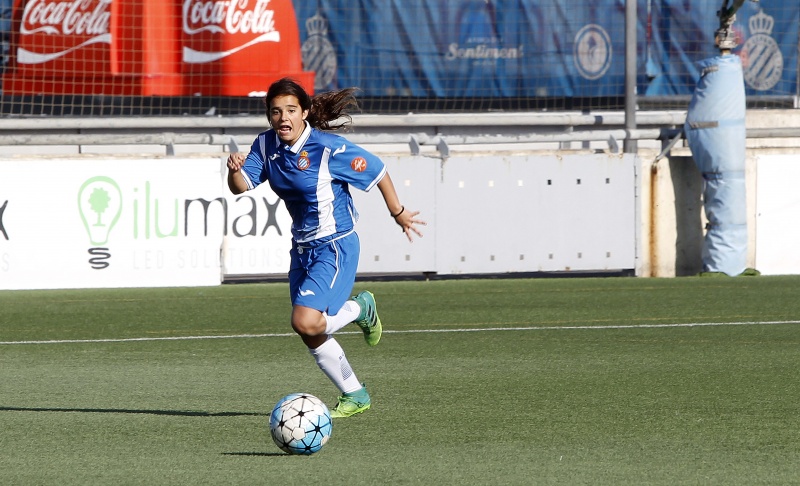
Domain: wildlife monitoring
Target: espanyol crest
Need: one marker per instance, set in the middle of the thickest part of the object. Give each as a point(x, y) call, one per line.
point(764, 65)
point(318, 52)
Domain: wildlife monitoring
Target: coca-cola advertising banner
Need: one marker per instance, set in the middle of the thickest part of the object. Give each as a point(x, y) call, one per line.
point(238, 47)
point(51, 31)
point(153, 47)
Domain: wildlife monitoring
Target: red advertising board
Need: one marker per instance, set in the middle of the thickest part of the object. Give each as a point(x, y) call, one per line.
point(245, 44)
point(153, 47)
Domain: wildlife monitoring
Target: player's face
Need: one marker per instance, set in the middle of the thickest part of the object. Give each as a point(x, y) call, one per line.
point(286, 117)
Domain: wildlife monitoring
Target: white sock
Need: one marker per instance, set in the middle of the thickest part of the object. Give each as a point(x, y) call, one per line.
point(347, 314)
point(331, 360)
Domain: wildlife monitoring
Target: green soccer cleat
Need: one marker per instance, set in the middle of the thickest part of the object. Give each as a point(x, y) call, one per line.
point(368, 319)
point(351, 404)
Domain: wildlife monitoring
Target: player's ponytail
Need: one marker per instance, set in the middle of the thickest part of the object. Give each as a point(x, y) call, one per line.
point(329, 110)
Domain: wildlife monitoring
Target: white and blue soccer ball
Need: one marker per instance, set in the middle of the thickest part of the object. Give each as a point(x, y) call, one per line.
point(300, 423)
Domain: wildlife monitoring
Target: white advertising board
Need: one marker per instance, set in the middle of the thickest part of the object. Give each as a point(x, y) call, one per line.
point(110, 222)
point(96, 221)
point(777, 215)
point(259, 236)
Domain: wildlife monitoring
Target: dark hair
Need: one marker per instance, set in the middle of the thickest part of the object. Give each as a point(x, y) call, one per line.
point(323, 109)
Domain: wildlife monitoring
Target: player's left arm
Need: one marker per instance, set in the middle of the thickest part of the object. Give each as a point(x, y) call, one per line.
point(405, 218)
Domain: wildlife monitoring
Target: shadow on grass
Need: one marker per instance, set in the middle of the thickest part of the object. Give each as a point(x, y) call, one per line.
point(176, 413)
point(257, 454)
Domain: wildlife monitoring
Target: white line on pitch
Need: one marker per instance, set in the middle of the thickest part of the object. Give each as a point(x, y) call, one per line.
point(417, 331)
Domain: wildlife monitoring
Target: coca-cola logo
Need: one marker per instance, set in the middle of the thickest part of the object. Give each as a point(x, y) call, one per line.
point(228, 16)
point(231, 17)
point(80, 18)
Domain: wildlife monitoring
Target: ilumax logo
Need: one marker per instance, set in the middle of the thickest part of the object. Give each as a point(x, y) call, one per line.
point(251, 215)
point(149, 220)
point(5, 258)
point(2, 227)
point(100, 206)
point(145, 215)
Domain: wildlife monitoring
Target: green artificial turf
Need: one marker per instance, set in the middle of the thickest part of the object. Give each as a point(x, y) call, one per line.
point(539, 381)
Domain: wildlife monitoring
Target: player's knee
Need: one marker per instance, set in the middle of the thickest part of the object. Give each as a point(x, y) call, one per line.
point(308, 322)
point(304, 328)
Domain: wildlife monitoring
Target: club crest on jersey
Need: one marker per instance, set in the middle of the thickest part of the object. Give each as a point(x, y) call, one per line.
point(303, 163)
point(359, 164)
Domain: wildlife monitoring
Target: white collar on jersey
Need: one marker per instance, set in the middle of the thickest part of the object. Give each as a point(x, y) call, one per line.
point(300, 141)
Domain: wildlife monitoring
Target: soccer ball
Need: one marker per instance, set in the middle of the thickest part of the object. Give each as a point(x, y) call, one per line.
point(300, 424)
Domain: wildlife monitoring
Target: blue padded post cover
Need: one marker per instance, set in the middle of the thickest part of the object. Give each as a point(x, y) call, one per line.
point(715, 130)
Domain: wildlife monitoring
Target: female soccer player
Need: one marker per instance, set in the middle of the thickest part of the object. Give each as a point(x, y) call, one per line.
point(312, 171)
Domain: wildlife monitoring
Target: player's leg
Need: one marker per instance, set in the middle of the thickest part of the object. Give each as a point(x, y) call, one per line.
point(348, 313)
point(361, 308)
point(321, 279)
point(331, 359)
point(313, 289)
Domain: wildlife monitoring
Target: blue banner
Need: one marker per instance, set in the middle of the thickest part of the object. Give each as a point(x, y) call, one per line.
point(682, 33)
point(516, 48)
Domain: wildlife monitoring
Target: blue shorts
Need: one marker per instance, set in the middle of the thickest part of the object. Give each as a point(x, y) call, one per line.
point(322, 277)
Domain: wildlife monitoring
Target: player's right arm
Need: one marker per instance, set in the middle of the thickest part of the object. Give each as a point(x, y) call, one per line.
point(236, 180)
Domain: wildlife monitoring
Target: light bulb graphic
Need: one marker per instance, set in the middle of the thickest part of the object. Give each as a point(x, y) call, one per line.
point(100, 205)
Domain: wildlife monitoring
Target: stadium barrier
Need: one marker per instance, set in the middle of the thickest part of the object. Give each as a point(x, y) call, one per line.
point(560, 206)
point(456, 62)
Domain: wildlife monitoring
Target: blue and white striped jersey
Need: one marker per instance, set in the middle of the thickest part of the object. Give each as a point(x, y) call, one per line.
point(312, 177)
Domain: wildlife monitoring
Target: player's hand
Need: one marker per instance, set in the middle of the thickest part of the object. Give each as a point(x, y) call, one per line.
point(236, 161)
point(408, 221)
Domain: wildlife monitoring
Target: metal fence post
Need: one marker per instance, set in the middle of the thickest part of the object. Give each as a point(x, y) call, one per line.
point(629, 145)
